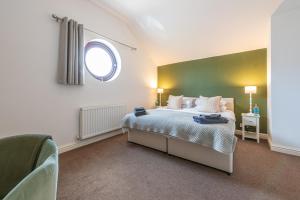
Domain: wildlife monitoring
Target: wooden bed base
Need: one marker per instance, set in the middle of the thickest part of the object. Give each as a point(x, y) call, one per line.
point(183, 149)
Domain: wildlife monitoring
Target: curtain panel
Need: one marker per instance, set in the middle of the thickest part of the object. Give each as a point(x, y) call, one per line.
point(70, 63)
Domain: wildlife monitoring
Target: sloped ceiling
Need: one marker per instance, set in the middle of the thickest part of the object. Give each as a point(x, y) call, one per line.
point(180, 30)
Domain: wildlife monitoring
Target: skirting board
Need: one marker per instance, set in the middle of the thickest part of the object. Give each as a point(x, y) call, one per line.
point(75, 145)
point(261, 135)
point(283, 149)
point(274, 147)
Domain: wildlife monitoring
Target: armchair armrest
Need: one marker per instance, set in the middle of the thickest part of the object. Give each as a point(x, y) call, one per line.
point(18, 157)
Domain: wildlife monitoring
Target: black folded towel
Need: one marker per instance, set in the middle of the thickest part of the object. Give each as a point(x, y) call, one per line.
point(139, 111)
point(204, 120)
point(212, 116)
point(137, 114)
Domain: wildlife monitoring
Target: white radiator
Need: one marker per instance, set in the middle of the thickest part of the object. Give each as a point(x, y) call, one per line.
point(97, 120)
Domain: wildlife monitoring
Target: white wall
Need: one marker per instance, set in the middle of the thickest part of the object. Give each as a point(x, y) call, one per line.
point(285, 75)
point(31, 101)
point(177, 30)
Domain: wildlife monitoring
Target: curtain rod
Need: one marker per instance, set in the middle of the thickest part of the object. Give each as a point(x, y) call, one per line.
point(59, 19)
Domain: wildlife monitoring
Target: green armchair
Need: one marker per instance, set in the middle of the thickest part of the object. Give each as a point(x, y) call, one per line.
point(28, 168)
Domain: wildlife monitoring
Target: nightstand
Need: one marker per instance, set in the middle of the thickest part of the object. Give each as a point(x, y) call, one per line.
point(250, 119)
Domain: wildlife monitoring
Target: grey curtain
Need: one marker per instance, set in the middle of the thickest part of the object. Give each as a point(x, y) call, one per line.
point(70, 64)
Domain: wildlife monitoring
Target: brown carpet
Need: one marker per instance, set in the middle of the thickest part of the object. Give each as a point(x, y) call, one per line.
point(114, 169)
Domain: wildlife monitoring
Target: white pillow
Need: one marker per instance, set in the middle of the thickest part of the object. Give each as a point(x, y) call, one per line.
point(223, 106)
point(208, 104)
point(175, 102)
point(188, 102)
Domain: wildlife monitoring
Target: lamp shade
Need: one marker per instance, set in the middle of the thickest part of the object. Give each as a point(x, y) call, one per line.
point(250, 89)
point(160, 90)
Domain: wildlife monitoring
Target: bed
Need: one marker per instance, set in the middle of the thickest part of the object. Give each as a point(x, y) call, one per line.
point(175, 132)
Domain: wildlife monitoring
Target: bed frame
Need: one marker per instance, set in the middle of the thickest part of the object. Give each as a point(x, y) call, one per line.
point(185, 149)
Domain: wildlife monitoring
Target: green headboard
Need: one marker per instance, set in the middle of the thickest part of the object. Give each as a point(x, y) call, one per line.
point(222, 75)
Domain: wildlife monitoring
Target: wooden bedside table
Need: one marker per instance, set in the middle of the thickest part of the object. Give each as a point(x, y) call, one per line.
point(250, 119)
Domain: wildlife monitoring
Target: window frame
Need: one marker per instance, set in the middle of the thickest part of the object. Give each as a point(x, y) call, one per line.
point(113, 54)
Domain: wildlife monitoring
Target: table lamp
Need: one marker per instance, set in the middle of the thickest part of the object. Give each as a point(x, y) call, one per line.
point(160, 91)
point(250, 90)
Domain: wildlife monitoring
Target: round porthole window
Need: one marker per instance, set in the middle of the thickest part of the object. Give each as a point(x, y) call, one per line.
point(102, 60)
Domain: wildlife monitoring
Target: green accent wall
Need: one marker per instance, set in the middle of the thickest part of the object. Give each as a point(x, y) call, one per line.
point(222, 75)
